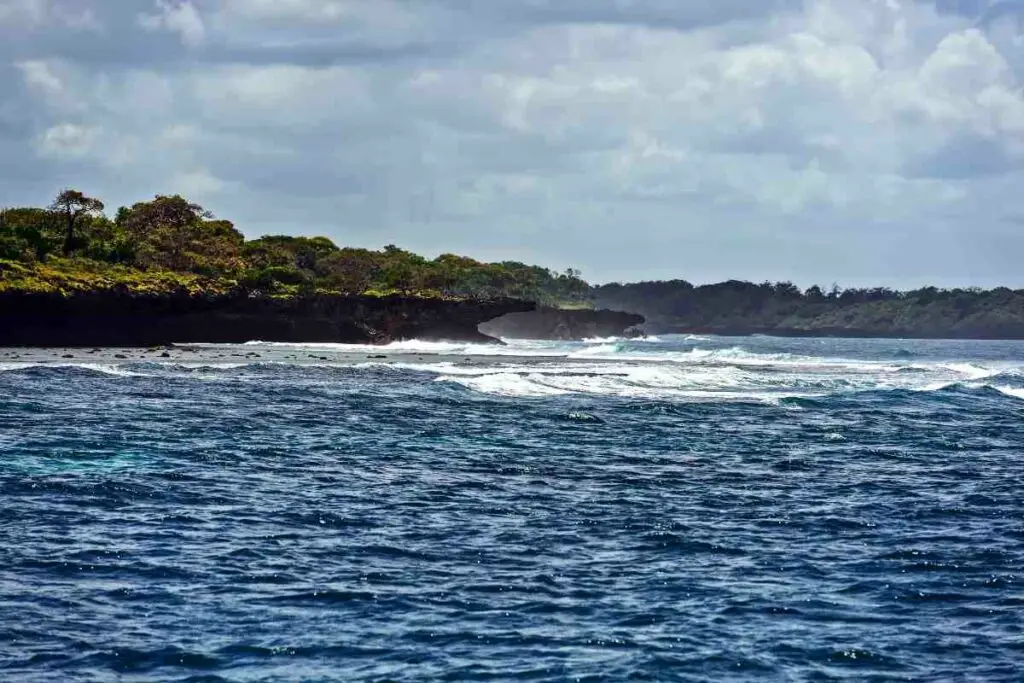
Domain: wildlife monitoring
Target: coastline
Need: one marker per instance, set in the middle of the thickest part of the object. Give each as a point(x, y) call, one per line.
point(110, 319)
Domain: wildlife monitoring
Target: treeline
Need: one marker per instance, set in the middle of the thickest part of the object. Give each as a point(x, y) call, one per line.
point(171, 234)
point(169, 244)
point(745, 307)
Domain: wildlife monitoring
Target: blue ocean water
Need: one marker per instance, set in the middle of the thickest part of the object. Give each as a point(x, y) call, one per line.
point(675, 509)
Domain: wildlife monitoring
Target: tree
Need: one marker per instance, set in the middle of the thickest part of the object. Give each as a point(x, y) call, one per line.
point(304, 253)
point(351, 270)
point(162, 213)
point(71, 205)
point(175, 234)
point(27, 233)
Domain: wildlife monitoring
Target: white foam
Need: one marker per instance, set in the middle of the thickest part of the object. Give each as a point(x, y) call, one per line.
point(106, 369)
point(1015, 392)
point(971, 371)
point(677, 368)
point(601, 350)
point(411, 346)
point(505, 384)
point(416, 347)
point(727, 374)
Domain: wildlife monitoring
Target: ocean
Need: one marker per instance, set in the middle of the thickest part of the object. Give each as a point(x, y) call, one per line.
point(669, 509)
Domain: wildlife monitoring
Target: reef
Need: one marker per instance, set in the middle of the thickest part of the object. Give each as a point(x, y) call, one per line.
point(563, 324)
point(109, 318)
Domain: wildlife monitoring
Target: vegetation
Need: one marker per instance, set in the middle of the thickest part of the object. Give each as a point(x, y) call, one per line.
point(741, 307)
point(169, 244)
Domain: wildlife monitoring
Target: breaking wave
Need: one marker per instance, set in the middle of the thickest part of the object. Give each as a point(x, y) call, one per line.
point(674, 368)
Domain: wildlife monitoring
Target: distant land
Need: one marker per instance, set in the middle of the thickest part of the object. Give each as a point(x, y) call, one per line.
point(743, 308)
point(167, 270)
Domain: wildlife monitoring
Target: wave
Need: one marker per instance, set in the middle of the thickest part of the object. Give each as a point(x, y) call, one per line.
point(410, 346)
point(676, 369)
point(970, 370)
point(723, 381)
point(1014, 392)
point(598, 348)
point(639, 381)
point(66, 369)
point(506, 384)
point(732, 356)
point(1012, 377)
point(649, 339)
point(975, 387)
point(416, 347)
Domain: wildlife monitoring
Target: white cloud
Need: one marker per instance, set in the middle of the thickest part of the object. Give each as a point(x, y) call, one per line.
point(37, 14)
point(40, 76)
point(176, 16)
point(198, 183)
point(14, 13)
point(68, 140)
point(310, 10)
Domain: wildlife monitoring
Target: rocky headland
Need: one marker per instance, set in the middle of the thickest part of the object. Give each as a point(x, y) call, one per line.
point(116, 319)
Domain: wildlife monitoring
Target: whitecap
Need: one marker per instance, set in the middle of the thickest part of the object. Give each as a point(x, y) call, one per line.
point(504, 384)
point(101, 368)
point(1015, 392)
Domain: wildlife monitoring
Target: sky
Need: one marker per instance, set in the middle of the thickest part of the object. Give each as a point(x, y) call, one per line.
point(858, 142)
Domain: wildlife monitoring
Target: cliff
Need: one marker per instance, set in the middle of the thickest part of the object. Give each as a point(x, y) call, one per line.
point(562, 324)
point(108, 318)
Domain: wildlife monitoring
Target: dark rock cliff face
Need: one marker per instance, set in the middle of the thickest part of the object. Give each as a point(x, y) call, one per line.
point(562, 325)
point(111, 319)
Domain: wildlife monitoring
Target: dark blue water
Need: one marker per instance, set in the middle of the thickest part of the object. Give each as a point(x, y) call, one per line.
point(691, 510)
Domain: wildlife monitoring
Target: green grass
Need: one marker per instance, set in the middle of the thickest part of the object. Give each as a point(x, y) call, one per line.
point(68, 277)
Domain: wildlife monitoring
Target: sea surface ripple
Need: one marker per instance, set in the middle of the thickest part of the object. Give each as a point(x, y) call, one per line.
point(684, 509)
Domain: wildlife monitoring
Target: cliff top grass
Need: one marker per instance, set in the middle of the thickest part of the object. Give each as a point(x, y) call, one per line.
point(71, 276)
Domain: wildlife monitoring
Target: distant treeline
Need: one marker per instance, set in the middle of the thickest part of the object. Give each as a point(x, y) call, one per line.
point(744, 307)
point(74, 237)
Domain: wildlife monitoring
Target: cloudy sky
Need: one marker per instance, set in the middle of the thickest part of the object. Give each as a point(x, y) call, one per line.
point(850, 141)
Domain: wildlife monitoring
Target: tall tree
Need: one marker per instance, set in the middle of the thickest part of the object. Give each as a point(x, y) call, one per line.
point(71, 205)
point(175, 234)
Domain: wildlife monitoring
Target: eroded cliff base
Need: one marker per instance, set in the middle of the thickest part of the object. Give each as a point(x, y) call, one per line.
point(563, 324)
point(110, 319)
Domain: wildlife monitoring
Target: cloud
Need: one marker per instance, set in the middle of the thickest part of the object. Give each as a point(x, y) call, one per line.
point(176, 16)
point(31, 12)
point(67, 140)
point(40, 76)
point(851, 140)
point(37, 14)
point(301, 10)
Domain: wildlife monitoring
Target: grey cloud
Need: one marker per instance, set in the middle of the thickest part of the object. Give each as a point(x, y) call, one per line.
point(966, 156)
point(633, 139)
point(678, 14)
